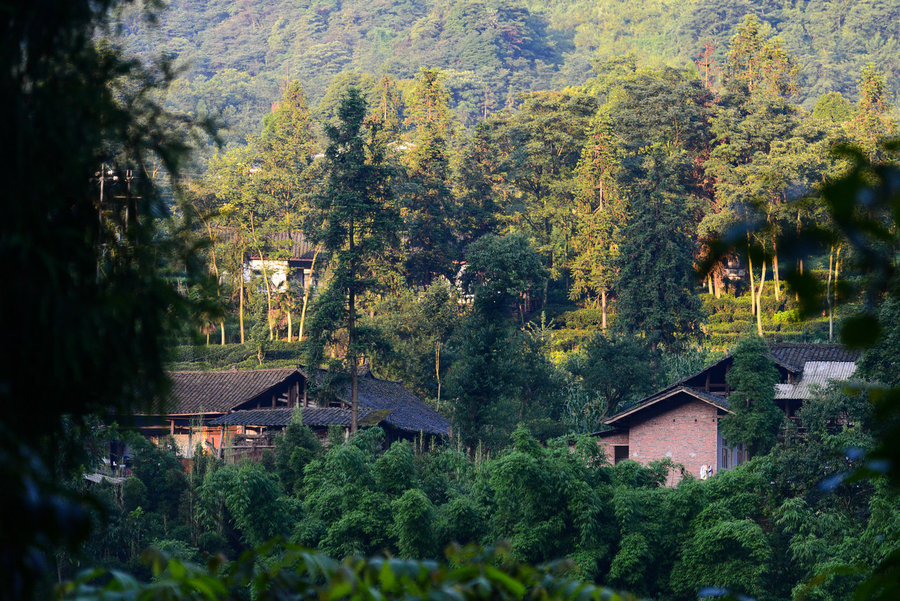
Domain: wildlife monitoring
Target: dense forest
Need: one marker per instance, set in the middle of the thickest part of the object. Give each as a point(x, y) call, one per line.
point(532, 214)
point(764, 530)
point(236, 55)
point(580, 211)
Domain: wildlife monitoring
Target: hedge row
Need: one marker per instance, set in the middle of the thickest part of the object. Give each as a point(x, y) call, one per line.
point(238, 355)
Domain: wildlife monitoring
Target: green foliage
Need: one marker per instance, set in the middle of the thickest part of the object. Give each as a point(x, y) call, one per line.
point(245, 497)
point(879, 363)
point(418, 327)
point(731, 553)
point(478, 382)
point(394, 470)
point(236, 55)
point(468, 574)
point(601, 210)
point(414, 520)
point(656, 278)
point(158, 469)
point(356, 222)
point(616, 370)
point(617, 204)
point(294, 449)
point(759, 63)
point(500, 270)
point(755, 419)
point(428, 207)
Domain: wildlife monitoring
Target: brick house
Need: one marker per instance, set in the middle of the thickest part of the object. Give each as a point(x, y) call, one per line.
point(681, 422)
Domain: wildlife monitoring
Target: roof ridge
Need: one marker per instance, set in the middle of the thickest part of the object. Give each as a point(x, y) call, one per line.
point(229, 370)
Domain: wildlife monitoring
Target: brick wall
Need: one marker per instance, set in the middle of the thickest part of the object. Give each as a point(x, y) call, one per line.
point(685, 431)
point(606, 443)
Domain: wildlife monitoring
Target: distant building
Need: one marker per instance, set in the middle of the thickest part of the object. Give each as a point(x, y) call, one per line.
point(681, 422)
point(291, 262)
point(234, 413)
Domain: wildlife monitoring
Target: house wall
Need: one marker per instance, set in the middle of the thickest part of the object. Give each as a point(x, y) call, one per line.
point(608, 443)
point(729, 456)
point(686, 432)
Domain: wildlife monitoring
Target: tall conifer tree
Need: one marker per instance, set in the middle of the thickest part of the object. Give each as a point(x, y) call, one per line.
point(358, 223)
point(427, 206)
point(655, 288)
point(601, 211)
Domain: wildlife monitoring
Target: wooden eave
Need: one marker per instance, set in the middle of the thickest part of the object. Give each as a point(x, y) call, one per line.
point(664, 395)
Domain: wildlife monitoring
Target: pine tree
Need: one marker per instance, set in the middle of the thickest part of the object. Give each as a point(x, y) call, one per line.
point(872, 121)
point(427, 205)
point(601, 214)
point(656, 280)
point(759, 62)
point(282, 154)
point(359, 223)
point(388, 109)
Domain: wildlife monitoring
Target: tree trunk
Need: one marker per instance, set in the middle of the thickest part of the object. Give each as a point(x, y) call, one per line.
point(306, 284)
point(828, 295)
point(212, 254)
point(351, 324)
point(262, 261)
point(718, 279)
point(545, 292)
point(241, 306)
point(775, 272)
point(762, 282)
point(752, 283)
point(603, 308)
point(837, 265)
point(709, 283)
point(437, 370)
point(290, 324)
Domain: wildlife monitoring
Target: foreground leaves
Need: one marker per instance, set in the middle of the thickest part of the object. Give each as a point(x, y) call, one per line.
point(275, 571)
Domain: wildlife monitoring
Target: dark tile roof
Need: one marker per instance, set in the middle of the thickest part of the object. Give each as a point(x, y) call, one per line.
point(312, 416)
point(295, 243)
point(791, 356)
point(196, 392)
point(795, 355)
point(406, 411)
point(667, 393)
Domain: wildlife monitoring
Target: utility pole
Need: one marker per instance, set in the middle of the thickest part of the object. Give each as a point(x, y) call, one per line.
point(105, 174)
point(130, 201)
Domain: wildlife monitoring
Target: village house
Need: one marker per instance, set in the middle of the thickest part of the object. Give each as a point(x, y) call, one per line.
point(293, 262)
point(681, 422)
point(234, 413)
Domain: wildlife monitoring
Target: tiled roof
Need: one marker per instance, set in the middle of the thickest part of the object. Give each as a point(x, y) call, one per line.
point(294, 242)
point(196, 392)
point(796, 355)
point(312, 416)
point(407, 411)
point(817, 364)
point(816, 373)
point(667, 393)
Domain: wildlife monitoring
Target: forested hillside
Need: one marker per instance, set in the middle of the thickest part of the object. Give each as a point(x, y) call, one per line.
point(527, 261)
point(582, 210)
point(238, 54)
